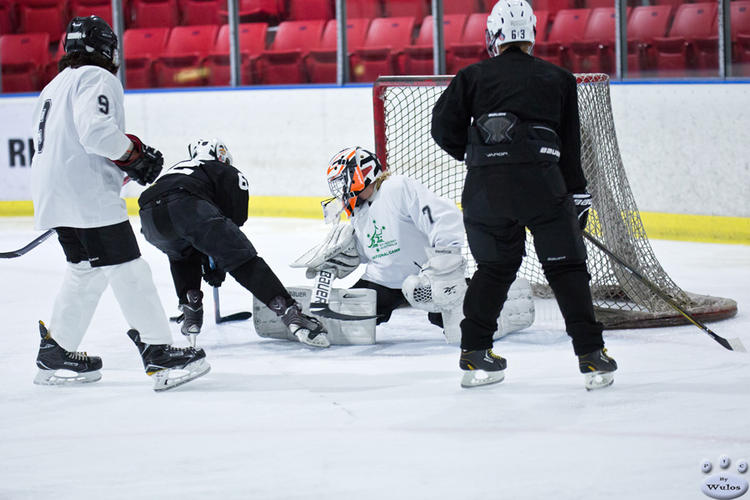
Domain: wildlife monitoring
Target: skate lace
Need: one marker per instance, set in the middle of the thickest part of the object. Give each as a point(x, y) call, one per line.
point(78, 356)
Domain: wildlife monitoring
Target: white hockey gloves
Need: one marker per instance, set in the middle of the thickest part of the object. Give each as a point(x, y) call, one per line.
point(337, 254)
point(441, 284)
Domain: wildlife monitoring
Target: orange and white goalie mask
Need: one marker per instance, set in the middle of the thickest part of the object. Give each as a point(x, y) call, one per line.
point(350, 172)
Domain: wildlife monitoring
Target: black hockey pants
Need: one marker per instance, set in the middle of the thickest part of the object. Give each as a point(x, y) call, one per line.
point(499, 203)
point(186, 227)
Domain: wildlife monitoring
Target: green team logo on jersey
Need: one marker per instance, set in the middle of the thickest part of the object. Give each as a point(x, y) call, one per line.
point(381, 246)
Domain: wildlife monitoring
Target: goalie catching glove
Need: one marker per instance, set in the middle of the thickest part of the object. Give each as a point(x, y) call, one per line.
point(143, 163)
point(441, 283)
point(337, 254)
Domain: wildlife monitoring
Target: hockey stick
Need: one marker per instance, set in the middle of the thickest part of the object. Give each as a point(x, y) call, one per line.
point(21, 251)
point(232, 317)
point(322, 294)
point(39, 239)
point(732, 344)
point(240, 316)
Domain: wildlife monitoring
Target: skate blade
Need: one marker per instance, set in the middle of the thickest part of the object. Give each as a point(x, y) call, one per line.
point(65, 377)
point(170, 378)
point(478, 378)
point(320, 339)
point(598, 380)
point(193, 339)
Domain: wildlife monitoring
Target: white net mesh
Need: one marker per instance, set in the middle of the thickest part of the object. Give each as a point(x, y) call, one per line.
point(402, 110)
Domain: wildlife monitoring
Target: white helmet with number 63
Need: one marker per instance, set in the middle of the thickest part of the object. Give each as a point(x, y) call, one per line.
point(510, 21)
point(206, 150)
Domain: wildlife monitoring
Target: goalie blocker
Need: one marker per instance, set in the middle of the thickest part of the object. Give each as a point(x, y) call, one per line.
point(440, 288)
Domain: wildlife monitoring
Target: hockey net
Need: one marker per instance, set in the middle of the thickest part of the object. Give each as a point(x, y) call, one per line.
point(402, 114)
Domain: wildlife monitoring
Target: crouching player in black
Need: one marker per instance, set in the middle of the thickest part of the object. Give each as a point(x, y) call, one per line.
point(514, 119)
point(193, 213)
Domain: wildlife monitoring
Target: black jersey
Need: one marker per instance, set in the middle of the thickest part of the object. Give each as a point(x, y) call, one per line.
point(534, 90)
point(213, 181)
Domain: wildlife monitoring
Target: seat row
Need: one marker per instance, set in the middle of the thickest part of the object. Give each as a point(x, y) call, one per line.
point(661, 39)
point(305, 51)
point(51, 16)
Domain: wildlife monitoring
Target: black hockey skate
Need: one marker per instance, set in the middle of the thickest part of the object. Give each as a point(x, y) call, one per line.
point(192, 315)
point(170, 366)
point(307, 329)
point(481, 368)
point(598, 369)
point(79, 367)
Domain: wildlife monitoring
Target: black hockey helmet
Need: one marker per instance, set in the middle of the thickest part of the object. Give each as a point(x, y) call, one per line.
point(91, 35)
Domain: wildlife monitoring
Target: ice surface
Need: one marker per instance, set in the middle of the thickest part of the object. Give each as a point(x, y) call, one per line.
point(276, 420)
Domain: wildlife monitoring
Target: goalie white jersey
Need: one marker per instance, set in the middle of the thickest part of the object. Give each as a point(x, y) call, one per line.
point(395, 226)
point(78, 126)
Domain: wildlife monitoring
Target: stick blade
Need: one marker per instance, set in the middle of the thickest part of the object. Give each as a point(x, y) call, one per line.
point(240, 316)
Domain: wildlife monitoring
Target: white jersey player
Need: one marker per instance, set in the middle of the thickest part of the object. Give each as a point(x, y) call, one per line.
point(82, 158)
point(409, 238)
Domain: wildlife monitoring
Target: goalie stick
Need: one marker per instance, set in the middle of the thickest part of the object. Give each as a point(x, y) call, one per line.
point(21, 251)
point(733, 344)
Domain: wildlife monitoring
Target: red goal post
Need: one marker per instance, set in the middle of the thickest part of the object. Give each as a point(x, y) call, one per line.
point(402, 112)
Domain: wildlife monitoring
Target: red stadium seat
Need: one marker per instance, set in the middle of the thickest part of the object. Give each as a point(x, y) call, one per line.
point(644, 24)
point(383, 49)
point(472, 47)
point(24, 58)
point(368, 9)
point(7, 17)
point(154, 13)
point(311, 9)
point(202, 11)
point(676, 52)
point(252, 41)
point(595, 53)
point(283, 62)
point(553, 6)
point(180, 64)
point(321, 62)
point(568, 25)
point(740, 21)
point(42, 16)
point(84, 8)
point(460, 7)
point(418, 57)
point(417, 9)
point(141, 47)
point(257, 11)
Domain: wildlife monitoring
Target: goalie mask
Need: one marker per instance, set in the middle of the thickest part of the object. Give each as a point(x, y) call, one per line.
point(350, 172)
point(510, 21)
point(92, 35)
point(210, 150)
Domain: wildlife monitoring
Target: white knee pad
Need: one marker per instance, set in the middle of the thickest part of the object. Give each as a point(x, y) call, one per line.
point(75, 304)
point(139, 301)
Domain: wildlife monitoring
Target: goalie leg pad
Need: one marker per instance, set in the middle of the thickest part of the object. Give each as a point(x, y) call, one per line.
point(360, 302)
point(518, 310)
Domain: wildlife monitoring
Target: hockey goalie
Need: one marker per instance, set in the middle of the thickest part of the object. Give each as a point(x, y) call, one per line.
point(410, 241)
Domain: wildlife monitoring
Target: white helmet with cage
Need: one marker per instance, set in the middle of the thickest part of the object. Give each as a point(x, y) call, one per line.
point(510, 21)
point(210, 149)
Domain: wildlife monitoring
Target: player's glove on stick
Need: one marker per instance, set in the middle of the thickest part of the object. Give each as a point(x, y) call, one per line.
point(582, 202)
point(144, 163)
point(213, 275)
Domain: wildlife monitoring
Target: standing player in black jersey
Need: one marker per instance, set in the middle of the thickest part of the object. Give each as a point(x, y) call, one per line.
point(193, 213)
point(514, 120)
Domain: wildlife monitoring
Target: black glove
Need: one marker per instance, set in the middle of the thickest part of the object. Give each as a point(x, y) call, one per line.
point(144, 163)
point(212, 274)
point(582, 202)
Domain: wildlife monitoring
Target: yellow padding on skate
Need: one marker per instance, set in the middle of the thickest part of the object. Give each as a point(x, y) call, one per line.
point(682, 227)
